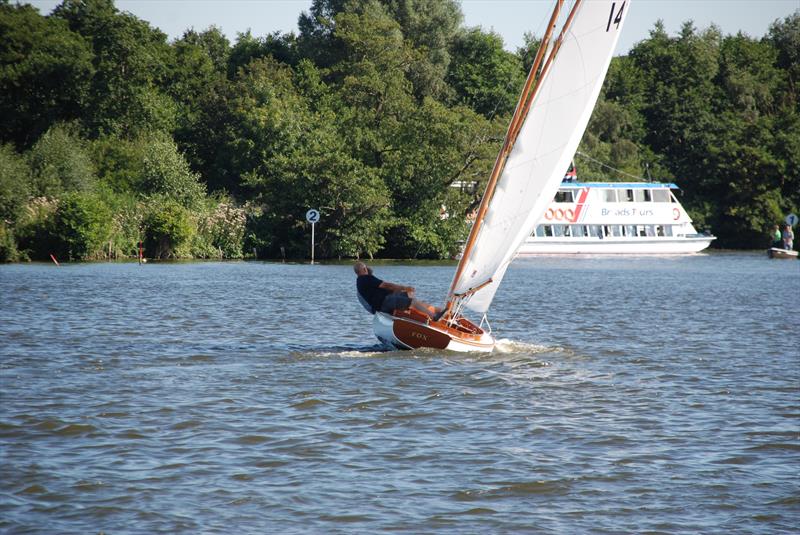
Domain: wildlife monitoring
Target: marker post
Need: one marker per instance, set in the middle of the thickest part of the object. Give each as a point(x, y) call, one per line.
point(312, 216)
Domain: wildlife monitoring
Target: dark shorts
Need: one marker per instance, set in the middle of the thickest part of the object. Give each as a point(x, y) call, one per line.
point(396, 301)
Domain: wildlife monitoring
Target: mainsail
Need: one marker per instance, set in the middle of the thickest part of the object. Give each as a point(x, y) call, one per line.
point(559, 110)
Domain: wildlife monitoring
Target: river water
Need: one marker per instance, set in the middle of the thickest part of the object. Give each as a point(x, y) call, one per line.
point(627, 395)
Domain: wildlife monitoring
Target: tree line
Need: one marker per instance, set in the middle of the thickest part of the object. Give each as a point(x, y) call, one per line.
point(112, 135)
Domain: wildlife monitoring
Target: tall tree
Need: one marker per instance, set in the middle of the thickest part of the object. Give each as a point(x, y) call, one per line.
point(130, 69)
point(45, 71)
point(484, 76)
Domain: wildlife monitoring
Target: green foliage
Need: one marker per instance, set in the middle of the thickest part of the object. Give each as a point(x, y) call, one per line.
point(14, 183)
point(221, 228)
point(34, 229)
point(8, 244)
point(45, 71)
point(60, 162)
point(484, 76)
point(372, 113)
point(130, 62)
point(214, 43)
point(166, 172)
point(81, 227)
point(168, 229)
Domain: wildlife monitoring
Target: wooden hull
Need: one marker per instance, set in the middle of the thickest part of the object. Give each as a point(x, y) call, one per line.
point(409, 329)
point(775, 252)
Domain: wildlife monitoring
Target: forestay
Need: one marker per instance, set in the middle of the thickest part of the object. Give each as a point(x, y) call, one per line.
point(547, 140)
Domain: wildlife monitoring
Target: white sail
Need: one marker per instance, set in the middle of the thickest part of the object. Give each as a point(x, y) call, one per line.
point(546, 143)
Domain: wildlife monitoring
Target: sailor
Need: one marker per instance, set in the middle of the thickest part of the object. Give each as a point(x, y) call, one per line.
point(377, 295)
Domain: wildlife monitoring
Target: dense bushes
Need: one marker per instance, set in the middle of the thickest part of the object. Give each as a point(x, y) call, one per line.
point(111, 135)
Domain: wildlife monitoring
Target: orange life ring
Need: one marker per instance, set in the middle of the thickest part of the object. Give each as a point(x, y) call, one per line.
point(676, 214)
point(559, 214)
point(548, 214)
point(569, 214)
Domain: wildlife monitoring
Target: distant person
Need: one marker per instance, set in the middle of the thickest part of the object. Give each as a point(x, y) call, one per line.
point(777, 237)
point(377, 295)
point(788, 237)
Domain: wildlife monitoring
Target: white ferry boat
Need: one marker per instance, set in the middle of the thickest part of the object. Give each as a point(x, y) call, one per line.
point(615, 218)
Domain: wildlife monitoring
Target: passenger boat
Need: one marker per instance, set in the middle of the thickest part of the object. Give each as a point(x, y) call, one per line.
point(548, 123)
point(783, 254)
point(615, 218)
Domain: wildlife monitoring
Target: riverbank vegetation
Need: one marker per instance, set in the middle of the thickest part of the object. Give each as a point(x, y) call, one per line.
point(112, 135)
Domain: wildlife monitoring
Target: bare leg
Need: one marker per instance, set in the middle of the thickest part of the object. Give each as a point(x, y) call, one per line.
point(425, 308)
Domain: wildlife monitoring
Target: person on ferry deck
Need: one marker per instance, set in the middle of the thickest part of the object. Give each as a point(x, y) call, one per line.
point(377, 295)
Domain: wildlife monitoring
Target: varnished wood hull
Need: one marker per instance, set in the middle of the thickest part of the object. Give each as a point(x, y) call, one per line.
point(411, 330)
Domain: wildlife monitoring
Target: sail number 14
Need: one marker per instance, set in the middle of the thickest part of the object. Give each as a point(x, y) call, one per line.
point(615, 19)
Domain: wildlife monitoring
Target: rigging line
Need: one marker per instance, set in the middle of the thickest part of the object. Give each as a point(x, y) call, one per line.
point(529, 92)
point(598, 162)
point(509, 85)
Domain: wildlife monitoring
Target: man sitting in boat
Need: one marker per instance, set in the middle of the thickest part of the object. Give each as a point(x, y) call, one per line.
point(377, 295)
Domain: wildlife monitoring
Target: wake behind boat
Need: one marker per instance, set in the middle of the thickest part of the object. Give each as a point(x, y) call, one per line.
point(545, 130)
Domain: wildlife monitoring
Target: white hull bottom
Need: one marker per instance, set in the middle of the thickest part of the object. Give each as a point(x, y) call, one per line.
point(400, 333)
point(643, 246)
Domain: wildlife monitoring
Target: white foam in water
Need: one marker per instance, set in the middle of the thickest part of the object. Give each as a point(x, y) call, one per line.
point(504, 345)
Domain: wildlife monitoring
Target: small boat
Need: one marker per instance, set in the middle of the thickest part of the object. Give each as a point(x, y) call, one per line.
point(548, 123)
point(777, 252)
point(615, 218)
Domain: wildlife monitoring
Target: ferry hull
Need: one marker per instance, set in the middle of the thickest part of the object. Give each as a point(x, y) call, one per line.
point(412, 332)
point(633, 246)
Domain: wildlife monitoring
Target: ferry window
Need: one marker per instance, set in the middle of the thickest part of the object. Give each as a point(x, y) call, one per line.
point(630, 230)
point(650, 231)
point(626, 195)
point(641, 230)
point(548, 230)
point(539, 231)
point(661, 195)
point(564, 196)
point(586, 231)
point(606, 231)
point(577, 231)
point(668, 230)
point(616, 230)
point(659, 230)
point(648, 196)
point(611, 195)
point(672, 197)
point(638, 195)
point(567, 230)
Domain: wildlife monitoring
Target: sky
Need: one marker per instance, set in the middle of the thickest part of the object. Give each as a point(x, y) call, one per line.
point(509, 18)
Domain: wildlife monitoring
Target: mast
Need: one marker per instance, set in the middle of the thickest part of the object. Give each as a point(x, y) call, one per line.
point(524, 103)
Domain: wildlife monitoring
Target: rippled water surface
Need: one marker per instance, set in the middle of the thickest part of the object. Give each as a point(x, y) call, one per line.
point(628, 395)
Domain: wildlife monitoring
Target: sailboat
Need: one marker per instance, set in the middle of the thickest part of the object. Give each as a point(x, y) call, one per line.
point(542, 137)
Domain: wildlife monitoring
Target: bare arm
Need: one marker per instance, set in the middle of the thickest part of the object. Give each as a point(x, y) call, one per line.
point(396, 288)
